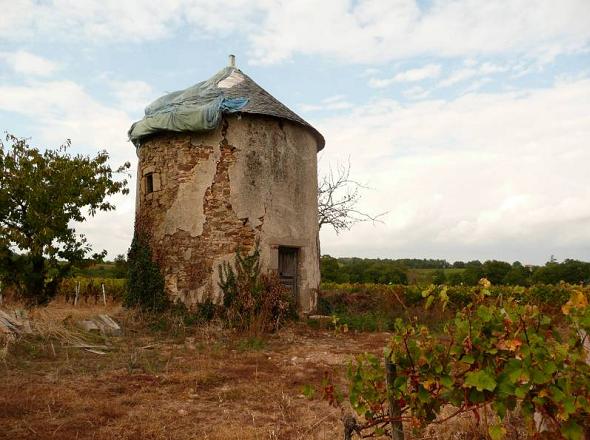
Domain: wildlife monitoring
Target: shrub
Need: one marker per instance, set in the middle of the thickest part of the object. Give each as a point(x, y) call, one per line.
point(439, 277)
point(253, 302)
point(145, 286)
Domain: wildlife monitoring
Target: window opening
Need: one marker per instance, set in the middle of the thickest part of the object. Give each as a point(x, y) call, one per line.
point(149, 183)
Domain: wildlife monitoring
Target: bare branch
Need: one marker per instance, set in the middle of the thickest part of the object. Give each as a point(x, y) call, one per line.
point(338, 197)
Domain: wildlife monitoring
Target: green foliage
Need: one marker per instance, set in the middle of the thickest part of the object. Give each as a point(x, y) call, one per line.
point(145, 285)
point(90, 288)
point(518, 275)
point(497, 353)
point(121, 268)
point(439, 277)
point(425, 271)
point(253, 302)
point(454, 279)
point(41, 195)
point(495, 271)
point(251, 343)
point(570, 271)
point(330, 270)
point(117, 269)
point(472, 275)
point(361, 270)
point(374, 307)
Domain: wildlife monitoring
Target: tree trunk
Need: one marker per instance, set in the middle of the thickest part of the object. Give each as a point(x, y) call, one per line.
point(35, 286)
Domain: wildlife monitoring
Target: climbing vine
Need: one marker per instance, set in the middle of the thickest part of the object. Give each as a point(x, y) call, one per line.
point(145, 285)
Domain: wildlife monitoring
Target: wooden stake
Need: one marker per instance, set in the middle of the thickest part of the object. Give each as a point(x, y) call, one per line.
point(104, 297)
point(77, 293)
point(395, 412)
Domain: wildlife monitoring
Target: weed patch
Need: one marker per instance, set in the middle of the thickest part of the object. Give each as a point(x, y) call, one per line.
point(252, 343)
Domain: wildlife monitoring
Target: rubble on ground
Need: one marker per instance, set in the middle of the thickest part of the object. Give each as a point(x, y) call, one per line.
point(14, 323)
point(102, 324)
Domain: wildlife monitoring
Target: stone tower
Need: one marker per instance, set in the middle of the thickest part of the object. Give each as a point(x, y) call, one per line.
point(224, 165)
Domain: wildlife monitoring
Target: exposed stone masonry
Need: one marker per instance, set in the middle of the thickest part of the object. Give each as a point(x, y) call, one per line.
point(188, 261)
point(253, 179)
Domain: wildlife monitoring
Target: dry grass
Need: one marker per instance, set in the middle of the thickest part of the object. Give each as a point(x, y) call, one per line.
point(180, 383)
point(176, 382)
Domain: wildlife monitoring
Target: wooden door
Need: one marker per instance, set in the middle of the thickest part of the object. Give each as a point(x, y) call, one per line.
point(288, 268)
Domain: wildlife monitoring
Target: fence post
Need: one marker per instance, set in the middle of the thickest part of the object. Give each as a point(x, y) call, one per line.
point(104, 297)
point(395, 412)
point(77, 293)
point(349, 426)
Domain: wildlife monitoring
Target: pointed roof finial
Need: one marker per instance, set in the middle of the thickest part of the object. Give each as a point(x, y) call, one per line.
point(232, 61)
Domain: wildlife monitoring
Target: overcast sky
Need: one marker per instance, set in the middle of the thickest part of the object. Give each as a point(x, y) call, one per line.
point(469, 119)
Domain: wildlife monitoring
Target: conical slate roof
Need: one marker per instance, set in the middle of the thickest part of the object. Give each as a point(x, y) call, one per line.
point(201, 106)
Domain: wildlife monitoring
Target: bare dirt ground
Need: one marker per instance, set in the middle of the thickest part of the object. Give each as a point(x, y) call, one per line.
point(173, 383)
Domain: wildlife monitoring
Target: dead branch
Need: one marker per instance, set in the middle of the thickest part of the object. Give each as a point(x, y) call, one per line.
point(338, 197)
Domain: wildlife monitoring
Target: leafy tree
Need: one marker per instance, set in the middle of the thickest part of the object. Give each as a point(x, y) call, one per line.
point(121, 267)
point(363, 270)
point(472, 274)
point(570, 271)
point(518, 275)
point(495, 270)
point(330, 270)
point(439, 277)
point(454, 279)
point(41, 195)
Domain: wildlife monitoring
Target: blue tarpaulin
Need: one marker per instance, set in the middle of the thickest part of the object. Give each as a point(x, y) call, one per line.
point(196, 108)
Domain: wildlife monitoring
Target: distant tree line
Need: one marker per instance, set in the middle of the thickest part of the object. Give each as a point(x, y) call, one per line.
point(362, 270)
point(117, 268)
point(388, 271)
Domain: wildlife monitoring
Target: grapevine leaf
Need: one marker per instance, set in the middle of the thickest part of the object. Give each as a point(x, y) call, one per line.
point(446, 381)
point(497, 432)
point(468, 359)
point(480, 380)
point(572, 431)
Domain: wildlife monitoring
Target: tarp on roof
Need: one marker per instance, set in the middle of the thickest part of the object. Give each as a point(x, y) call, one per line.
point(201, 106)
point(194, 109)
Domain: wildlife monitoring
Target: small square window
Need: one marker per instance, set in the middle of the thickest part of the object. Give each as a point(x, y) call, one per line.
point(149, 183)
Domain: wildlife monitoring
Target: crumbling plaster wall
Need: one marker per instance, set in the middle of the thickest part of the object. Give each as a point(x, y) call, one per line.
point(253, 178)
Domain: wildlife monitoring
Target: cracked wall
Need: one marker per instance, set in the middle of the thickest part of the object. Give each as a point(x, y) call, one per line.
point(253, 178)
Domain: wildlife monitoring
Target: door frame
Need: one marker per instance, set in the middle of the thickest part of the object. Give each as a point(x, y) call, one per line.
point(297, 251)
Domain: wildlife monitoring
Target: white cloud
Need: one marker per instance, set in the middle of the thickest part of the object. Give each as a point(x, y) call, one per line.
point(89, 19)
point(473, 70)
point(132, 96)
point(412, 75)
point(367, 31)
point(484, 175)
point(64, 109)
point(337, 102)
point(416, 93)
point(459, 75)
point(383, 30)
point(58, 110)
point(29, 64)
